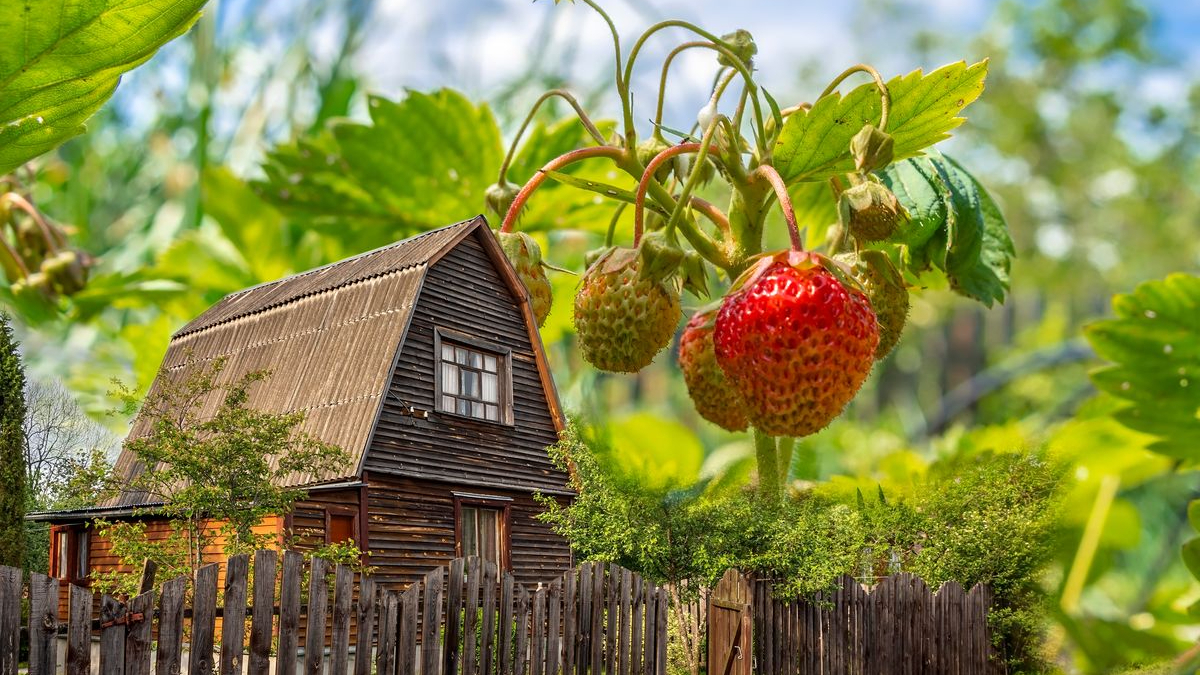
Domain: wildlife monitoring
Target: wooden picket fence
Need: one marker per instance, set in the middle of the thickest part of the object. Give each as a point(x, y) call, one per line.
point(467, 618)
point(898, 627)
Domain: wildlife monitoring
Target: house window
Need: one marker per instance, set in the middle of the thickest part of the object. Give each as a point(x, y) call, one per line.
point(341, 525)
point(481, 527)
point(473, 381)
point(71, 554)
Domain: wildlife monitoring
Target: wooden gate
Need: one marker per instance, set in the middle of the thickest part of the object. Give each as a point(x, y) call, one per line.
point(729, 615)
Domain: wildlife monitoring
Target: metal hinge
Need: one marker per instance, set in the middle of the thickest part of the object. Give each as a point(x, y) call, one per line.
point(134, 617)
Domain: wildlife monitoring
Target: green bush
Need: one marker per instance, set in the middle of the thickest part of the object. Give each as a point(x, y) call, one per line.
point(979, 518)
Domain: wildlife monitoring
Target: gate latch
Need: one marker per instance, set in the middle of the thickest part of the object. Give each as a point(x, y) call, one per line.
point(133, 617)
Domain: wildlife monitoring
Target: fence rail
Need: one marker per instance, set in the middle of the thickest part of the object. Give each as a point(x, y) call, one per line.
point(467, 618)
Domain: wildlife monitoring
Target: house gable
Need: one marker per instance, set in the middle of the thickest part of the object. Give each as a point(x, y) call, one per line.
point(467, 291)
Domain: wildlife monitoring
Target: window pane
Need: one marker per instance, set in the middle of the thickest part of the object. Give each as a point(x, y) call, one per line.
point(491, 388)
point(81, 565)
point(448, 403)
point(489, 363)
point(449, 378)
point(493, 413)
point(477, 410)
point(489, 540)
point(470, 384)
point(447, 353)
point(463, 407)
point(64, 557)
point(460, 355)
point(470, 531)
point(476, 360)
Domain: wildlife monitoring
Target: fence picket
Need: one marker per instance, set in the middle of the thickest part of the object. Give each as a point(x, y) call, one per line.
point(596, 624)
point(289, 612)
point(112, 636)
point(389, 616)
point(233, 616)
point(365, 613)
point(204, 616)
point(43, 624)
point(263, 613)
point(431, 622)
point(537, 647)
point(583, 638)
point(454, 596)
point(139, 635)
point(611, 621)
point(343, 592)
point(639, 613)
point(406, 652)
point(570, 620)
point(10, 619)
point(554, 627)
point(521, 615)
point(626, 613)
point(650, 650)
point(506, 623)
point(79, 631)
point(169, 659)
point(471, 616)
point(488, 641)
point(318, 606)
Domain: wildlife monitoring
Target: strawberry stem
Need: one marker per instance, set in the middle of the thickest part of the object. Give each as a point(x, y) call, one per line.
point(768, 173)
point(639, 204)
point(885, 97)
point(54, 240)
point(563, 94)
point(555, 164)
point(766, 453)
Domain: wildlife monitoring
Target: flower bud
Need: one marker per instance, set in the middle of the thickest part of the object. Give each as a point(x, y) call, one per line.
point(870, 212)
point(871, 148)
point(650, 148)
point(499, 197)
point(741, 43)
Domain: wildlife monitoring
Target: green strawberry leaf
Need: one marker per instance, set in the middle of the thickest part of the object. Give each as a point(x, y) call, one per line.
point(60, 61)
point(954, 226)
point(1191, 556)
point(1153, 343)
point(420, 163)
point(815, 144)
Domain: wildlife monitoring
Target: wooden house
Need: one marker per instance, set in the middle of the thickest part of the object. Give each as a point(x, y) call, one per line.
point(421, 360)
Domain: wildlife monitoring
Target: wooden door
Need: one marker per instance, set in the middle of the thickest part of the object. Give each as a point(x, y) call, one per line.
point(729, 615)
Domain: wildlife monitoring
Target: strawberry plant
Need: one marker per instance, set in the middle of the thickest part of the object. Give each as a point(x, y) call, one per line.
point(797, 331)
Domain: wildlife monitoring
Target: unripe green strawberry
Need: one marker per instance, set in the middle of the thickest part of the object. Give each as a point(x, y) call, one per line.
point(500, 196)
point(885, 289)
point(870, 211)
point(67, 271)
point(713, 395)
point(796, 342)
point(623, 316)
point(650, 148)
point(741, 43)
point(526, 258)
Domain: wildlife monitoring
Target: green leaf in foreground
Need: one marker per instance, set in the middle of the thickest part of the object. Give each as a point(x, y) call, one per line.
point(815, 144)
point(60, 61)
point(1153, 343)
point(954, 226)
point(420, 163)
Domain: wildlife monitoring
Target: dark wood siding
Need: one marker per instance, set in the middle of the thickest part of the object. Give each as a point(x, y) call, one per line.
point(464, 292)
point(411, 531)
point(307, 521)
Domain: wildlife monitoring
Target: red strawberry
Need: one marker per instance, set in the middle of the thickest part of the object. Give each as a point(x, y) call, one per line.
point(796, 342)
point(714, 397)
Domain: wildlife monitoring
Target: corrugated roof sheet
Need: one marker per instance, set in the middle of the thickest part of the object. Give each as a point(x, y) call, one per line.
point(329, 336)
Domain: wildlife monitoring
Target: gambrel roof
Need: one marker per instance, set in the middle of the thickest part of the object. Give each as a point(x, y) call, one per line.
point(330, 338)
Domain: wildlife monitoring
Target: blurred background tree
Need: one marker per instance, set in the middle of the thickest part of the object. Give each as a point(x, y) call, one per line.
point(1087, 135)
